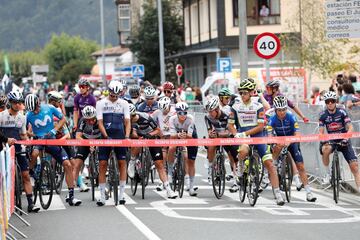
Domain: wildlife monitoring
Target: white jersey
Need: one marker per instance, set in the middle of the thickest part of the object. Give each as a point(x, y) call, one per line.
point(187, 126)
point(226, 109)
point(163, 120)
point(248, 115)
point(12, 126)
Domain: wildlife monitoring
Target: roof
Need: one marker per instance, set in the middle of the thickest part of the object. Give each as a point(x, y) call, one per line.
point(114, 51)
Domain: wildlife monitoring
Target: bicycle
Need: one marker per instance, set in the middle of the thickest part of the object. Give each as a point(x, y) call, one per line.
point(59, 176)
point(141, 172)
point(113, 177)
point(285, 172)
point(335, 170)
point(93, 171)
point(178, 175)
point(218, 173)
point(250, 181)
point(18, 186)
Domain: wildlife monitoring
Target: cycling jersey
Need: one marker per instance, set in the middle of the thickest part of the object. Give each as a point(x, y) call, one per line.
point(81, 101)
point(12, 126)
point(144, 107)
point(218, 124)
point(113, 115)
point(334, 122)
point(126, 98)
point(247, 116)
point(226, 109)
point(270, 98)
point(144, 125)
point(187, 126)
point(43, 122)
point(89, 131)
point(163, 120)
point(286, 127)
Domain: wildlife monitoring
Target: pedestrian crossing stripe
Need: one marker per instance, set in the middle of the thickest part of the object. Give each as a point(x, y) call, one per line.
point(138, 70)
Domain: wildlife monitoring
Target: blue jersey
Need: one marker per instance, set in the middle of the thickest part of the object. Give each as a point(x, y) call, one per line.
point(143, 107)
point(43, 122)
point(334, 122)
point(285, 127)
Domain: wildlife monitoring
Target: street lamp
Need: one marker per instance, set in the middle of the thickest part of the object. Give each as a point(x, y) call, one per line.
point(102, 42)
point(161, 42)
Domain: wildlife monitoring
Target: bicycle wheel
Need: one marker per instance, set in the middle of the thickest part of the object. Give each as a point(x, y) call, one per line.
point(18, 187)
point(148, 161)
point(143, 173)
point(59, 175)
point(152, 172)
point(253, 179)
point(218, 176)
point(287, 176)
point(180, 172)
point(242, 182)
point(46, 185)
point(115, 179)
point(93, 174)
point(335, 176)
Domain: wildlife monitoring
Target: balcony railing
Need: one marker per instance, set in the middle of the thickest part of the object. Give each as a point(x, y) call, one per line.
point(258, 20)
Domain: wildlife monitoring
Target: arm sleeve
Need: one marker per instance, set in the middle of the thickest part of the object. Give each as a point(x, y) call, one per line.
point(172, 126)
point(208, 123)
point(56, 112)
point(126, 110)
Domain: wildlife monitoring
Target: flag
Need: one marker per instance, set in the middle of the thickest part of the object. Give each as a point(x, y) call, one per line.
point(4, 82)
point(7, 66)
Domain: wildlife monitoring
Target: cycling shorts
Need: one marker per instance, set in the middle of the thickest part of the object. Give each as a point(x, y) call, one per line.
point(295, 151)
point(82, 152)
point(21, 158)
point(58, 153)
point(233, 151)
point(156, 153)
point(347, 151)
point(192, 152)
point(104, 153)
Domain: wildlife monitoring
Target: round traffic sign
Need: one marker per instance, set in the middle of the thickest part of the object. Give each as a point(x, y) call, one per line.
point(266, 45)
point(179, 70)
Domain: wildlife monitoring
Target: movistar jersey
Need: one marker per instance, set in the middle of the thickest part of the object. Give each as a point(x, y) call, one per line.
point(43, 122)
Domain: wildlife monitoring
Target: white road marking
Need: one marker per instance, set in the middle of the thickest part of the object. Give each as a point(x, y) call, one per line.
point(56, 203)
point(137, 223)
point(110, 201)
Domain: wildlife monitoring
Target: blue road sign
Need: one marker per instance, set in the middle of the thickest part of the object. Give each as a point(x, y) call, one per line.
point(138, 71)
point(224, 65)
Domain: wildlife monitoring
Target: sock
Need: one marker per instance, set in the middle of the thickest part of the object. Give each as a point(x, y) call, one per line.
point(277, 190)
point(192, 182)
point(307, 189)
point(122, 189)
point(327, 169)
point(29, 199)
point(102, 189)
point(71, 193)
point(170, 168)
point(167, 185)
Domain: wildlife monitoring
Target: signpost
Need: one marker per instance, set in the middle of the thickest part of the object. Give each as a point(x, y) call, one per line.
point(138, 71)
point(266, 46)
point(179, 72)
point(224, 65)
point(342, 19)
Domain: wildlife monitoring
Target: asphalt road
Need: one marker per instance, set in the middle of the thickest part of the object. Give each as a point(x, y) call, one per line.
point(201, 217)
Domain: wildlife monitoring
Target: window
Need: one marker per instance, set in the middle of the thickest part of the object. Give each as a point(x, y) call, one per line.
point(124, 16)
point(259, 12)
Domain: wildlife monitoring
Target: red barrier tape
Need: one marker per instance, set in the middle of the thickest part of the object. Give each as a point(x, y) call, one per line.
point(189, 142)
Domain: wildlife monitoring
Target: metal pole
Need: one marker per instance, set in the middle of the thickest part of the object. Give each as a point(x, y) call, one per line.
point(243, 45)
point(102, 42)
point(161, 43)
point(267, 67)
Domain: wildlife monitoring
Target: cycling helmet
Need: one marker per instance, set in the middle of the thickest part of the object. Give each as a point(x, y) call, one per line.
point(123, 82)
point(329, 95)
point(31, 101)
point(134, 91)
point(273, 83)
point(3, 100)
point(54, 96)
point(97, 93)
point(212, 104)
point(84, 81)
point(181, 106)
point(247, 84)
point(15, 96)
point(149, 92)
point(280, 102)
point(168, 86)
point(164, 103)
point(132, 108)
point(88, 112)
point(105, 93)
point(115, 87)
point(225, 92)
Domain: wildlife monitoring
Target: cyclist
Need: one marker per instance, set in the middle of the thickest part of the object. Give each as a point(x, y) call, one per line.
point(88, 129)
point(337, 120)
point(161, 116)
point(134, 93)
point(247, 119)
point(82, 99)
point(40, 118)
point(272, 90)
point(224, 97)
point(113, 116)
point(284, 123)
point(3, 102)
point(13, 125)
point(182, 126)
point(217, 125)
point(169, 91)
point(144, 126)
point(150, 104)
point(124, 94)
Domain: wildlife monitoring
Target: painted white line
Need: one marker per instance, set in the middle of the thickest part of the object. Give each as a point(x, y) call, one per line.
point(110, 201)
point(56, 203)
point(137, 223)
point(186, 199)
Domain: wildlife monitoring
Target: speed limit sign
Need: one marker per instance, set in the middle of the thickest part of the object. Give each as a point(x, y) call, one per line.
point(266, 45)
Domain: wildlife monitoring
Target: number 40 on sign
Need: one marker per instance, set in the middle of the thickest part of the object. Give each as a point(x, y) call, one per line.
point(267, 45)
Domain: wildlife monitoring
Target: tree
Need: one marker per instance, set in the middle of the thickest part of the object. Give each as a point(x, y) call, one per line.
point(145, 41)
point(70, 72)
point(63, 49)
point(317, 53)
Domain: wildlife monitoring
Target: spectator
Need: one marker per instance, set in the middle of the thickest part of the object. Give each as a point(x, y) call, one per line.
point(315, 95)
point(264, 11)
point(198, 95)
point(349, 99)
point(189, 95)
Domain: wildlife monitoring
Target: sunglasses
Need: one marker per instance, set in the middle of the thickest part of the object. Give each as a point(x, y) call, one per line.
point(150, 99)
point(225, 97)
point(167, 91)
point(182, 113)
point(281, 109)
point(92, 120)
point(113, 95)
point(330, 101)
point(241, 93)
point(16, 102)
point(83, 86)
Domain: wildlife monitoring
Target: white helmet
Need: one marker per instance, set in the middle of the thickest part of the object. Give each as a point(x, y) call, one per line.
point(55, 96)
point(329, 95)
point(15, 96)
point(132, 108)
point(149, 92)
point(164, 103)
point(280, 102)
point(31, 101)
point(89, 112)
point(181, 106)
point(115, 87)
point(273, 83)
point(97, 93)
point(212, 104)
